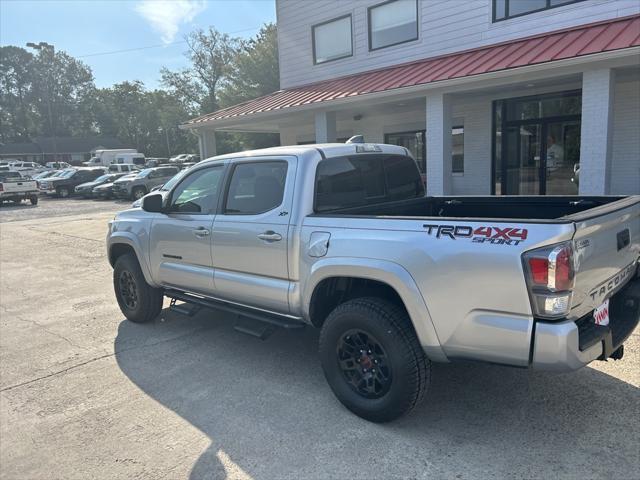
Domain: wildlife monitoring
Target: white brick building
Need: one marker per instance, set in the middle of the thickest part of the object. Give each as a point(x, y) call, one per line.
point(490, 96)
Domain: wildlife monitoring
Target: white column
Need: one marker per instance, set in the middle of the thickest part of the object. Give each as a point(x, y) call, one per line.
point(597, 131)
point(325, 127)
point(207, 143)
point(438, 144)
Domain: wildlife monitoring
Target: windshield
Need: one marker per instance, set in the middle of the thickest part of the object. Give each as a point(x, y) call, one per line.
point(102, 178)
point(129, 176)
point(66, 173)
point(173, 180)
point(145, 173)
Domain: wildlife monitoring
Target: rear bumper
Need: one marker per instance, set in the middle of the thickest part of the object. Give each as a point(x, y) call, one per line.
point(570, 345)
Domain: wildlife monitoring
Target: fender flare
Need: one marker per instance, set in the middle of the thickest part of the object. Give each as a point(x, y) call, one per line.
point(129, 239)
point(394, 275)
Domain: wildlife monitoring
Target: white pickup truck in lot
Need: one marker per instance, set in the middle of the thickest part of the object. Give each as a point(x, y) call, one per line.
point(343, 238)
point(15, 188)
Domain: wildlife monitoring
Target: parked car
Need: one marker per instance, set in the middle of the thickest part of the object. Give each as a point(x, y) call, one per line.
point(14, 188)
point(105, 191)
point(46, 174)
point(152, 162)
point(162, 187)
point(86, 189)
point(27, 169)
point(64, 184)
point(141, 184)
point(179, 158)
point(342, 237)
point(57, 165)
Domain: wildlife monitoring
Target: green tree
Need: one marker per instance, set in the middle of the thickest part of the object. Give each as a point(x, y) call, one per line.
point(18, 117)
point(145, 120)
point(211, 54)
point(61, 87)
point(255, 70)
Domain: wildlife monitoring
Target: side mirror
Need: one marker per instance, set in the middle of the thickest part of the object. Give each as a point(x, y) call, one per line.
point(152, 203)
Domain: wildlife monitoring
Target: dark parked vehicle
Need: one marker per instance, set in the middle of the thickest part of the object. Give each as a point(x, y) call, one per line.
point(86, 189)
point(65, 183)
point(105, 191)
point(141, 184)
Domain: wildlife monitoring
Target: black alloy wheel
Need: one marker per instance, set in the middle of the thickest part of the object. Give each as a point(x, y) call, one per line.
point(364, 364)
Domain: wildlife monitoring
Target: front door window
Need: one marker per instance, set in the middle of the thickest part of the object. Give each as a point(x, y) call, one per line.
point(537, 144)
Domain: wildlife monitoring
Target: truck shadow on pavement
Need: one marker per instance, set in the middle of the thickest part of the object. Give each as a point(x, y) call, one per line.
point(270, 414)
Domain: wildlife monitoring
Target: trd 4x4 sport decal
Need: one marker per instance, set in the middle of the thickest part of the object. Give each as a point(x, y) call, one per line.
point(493, 235)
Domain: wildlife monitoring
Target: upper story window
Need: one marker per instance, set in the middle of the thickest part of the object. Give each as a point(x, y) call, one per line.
point(332, 40)
point(393, 22)
point(504, 9)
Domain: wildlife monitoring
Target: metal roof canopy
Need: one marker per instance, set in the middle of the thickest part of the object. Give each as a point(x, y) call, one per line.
point(596, 38)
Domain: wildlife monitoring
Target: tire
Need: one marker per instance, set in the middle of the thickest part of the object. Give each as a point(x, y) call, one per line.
point(63, 192)
point(33, 200)
point(138, 193)
point(127, 276)
point(396, 352)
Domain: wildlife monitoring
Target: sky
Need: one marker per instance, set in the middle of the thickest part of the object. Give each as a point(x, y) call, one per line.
point(88, 29)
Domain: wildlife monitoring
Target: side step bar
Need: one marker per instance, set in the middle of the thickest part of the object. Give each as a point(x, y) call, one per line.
point(197, 302)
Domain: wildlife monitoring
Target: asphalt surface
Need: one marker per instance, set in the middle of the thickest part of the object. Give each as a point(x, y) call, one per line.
point(86, 394)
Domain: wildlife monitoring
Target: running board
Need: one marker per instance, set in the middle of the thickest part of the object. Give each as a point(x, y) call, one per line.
point(197, 302)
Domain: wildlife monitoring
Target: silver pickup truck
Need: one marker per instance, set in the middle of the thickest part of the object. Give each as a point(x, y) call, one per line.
point(343, 238)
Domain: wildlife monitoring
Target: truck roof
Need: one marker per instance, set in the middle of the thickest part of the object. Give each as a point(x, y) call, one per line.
point(329, 150)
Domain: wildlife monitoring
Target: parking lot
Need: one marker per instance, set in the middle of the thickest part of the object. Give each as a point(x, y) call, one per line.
point(86, 394)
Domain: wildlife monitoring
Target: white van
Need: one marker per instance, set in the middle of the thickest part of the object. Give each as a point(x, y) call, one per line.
point(104, 158)
point(133, 158)
point(122, 167)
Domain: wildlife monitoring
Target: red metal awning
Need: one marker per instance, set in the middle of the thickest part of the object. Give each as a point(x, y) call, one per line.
point(563, 44)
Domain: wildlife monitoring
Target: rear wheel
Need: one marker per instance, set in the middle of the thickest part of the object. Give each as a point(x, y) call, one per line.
point(372, 359)
point(138, 301)
point(33, 199)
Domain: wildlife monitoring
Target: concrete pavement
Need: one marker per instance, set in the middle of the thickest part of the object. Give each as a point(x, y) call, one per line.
point(86, 394)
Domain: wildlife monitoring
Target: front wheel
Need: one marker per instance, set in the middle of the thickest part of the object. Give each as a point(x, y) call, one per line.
point(372, 359)
point(138, 193)
point(63, 192)
point(138, 301)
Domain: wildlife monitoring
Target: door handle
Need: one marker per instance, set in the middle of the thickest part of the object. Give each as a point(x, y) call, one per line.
point(270, 236)
point(201, 232)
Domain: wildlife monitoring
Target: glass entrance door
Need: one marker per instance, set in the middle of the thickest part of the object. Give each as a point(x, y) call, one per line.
point(537, 144)
point(523, 153)
point(562, 155)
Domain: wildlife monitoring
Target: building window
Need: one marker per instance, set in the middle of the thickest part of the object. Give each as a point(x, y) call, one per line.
point(332, 40)
point(392, 22)
point(457, 149)
point(504, 9)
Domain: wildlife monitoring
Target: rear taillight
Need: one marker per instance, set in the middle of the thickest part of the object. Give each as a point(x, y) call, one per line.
point(550, 278)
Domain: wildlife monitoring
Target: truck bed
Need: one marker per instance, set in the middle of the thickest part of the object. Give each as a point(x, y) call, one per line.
point(532, 208)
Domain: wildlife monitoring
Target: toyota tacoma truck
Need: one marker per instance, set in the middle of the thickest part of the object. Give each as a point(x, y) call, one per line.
point(342, 237)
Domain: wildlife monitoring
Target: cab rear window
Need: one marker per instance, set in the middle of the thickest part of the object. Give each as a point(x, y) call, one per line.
point(365, 180)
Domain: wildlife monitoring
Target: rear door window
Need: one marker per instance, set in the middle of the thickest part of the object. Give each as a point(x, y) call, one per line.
point(255, 188)
point(365, 180)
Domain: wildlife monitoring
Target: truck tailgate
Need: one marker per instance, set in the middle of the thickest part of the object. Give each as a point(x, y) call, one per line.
point(20, 186)
point(607, 247)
